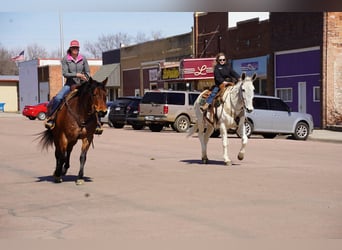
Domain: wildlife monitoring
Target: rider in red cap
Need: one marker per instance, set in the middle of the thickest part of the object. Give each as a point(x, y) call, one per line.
point(75, 70)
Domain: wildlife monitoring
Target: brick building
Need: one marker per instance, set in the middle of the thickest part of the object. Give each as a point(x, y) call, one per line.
point(41, 79)
point(332, 69)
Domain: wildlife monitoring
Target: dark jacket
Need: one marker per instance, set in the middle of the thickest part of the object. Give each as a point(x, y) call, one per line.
point(225, 73)
point(71, 67)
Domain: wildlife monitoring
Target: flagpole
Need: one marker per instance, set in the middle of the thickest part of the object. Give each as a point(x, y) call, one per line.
point(61, 38)
point(61, 34)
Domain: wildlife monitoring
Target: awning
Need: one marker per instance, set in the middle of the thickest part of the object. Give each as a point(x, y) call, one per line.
point(112, 71)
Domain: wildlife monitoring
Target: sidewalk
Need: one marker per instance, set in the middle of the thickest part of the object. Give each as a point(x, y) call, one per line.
point(333, 134)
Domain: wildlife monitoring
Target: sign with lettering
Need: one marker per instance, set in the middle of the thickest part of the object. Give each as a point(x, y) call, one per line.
point(252, 65)
point(197, 68)
point(170, 73)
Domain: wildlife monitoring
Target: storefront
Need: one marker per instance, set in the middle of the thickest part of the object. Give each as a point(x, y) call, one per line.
point(193, 74)
point(298, 80)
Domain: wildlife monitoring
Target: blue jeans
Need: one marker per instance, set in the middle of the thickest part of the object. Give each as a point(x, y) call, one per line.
point(56, 101)
point(213, 94)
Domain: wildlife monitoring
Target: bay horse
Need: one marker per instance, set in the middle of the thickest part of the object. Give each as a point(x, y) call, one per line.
point(76, 120)
point(235, 101)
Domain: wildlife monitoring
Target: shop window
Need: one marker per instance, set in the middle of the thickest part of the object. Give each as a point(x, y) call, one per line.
point(153, 85)
point(285, 94)
point(317, 94)
point(260, 86)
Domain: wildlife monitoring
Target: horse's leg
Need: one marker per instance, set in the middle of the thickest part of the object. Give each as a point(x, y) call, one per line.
point(83, 157)
point(67, 161)
point(244, 139)
point(223, 132)
point(59, 165)
point(201, 137)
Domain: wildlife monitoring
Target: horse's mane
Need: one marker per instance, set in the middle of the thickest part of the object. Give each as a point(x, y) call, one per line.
point(88, 87)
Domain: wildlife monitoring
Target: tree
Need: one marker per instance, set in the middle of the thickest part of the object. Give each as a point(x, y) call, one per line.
point(106, 42)
point(35, 51)
point(7, 66)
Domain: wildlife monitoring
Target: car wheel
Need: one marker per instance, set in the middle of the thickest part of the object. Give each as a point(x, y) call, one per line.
point(156, 127)
point(118, 125)
point(32, 118)
point(182, 123)
point(137, 127)
point(248, 128)
point(301, 131)
point(41, 116)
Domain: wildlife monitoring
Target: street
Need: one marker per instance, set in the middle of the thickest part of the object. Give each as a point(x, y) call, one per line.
point(144, 185)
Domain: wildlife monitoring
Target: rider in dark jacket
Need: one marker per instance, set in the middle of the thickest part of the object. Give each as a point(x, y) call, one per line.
point(223, 74)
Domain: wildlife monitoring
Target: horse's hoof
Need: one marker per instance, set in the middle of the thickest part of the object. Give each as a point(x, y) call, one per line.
point(241, 156)
point(205, 161)
point(80, 182)
point(58, 179)
point(228, 163)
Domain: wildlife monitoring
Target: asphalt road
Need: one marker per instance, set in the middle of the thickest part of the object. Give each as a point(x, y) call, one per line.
point(144, 185)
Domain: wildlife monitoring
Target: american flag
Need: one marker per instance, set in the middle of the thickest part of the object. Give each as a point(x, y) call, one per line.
point(19, 57)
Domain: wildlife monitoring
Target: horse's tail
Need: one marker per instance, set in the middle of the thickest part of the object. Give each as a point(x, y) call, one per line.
point(192, 129)
point(46, 139)
point(198, 113)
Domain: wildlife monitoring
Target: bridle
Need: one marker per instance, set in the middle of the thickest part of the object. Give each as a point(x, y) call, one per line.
point(92, 113)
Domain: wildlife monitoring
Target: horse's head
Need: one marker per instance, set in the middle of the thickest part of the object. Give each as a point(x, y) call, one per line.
point(99, 96)
point(247, 91)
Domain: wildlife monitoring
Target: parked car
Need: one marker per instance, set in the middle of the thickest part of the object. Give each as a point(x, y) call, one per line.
point(272, 117)
point(36, 111)
point(132, 113)
point(105, 118)
point(159, 108)
point(117, 114)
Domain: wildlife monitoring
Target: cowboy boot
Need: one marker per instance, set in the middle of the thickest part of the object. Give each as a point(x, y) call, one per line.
point(50, 121)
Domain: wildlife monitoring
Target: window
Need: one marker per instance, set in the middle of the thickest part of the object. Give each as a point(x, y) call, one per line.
point(260, 86)
point(192, 98)
point(317, 94)
point(277, 104)
point(260, 103)
point(176, 98)
point(154, 98)
point(285, 94)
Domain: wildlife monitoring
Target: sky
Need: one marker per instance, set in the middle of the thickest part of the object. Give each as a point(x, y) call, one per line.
point(21, 29)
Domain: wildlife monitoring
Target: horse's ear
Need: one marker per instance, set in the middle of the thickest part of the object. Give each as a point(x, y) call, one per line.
point(243, 76)
point(254, 76)
point(105, 81)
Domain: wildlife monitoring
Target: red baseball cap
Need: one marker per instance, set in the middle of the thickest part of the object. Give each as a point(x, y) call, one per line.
point(74, 43)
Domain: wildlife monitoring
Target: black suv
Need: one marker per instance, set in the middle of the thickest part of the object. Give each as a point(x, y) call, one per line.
point(132, 113)
point(118, 110)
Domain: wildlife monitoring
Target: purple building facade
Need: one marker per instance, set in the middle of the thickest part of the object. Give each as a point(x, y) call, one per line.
point(298, 80)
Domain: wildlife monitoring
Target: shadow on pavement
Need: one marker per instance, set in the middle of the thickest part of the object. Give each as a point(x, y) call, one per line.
point(67, 178)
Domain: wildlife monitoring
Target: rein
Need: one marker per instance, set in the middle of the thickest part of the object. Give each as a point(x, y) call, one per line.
point(76, 116)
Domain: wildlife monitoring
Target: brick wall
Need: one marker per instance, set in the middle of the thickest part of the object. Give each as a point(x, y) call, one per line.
point(332, 69)
point(55, 79)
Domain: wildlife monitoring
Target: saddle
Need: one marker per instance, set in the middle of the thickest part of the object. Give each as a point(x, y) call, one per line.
point(218, 98)
point(216, 102)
